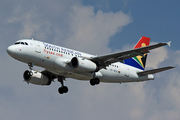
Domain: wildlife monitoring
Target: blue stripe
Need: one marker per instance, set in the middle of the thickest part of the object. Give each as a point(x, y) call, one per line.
point(133, 63)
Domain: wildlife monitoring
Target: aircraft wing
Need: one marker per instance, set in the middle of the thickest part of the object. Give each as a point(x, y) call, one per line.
point(153, 71)
point(105, 60)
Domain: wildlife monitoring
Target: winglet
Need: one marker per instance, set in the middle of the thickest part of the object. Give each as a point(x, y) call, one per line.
point(169, 43)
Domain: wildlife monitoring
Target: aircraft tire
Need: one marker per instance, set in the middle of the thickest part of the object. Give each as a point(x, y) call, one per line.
point(65, 89)
point(60, 90)
point(92, 82)
point(97, 81)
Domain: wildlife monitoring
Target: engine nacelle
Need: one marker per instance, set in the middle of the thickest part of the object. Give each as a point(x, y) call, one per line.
point(36, 78)
point(83, 65)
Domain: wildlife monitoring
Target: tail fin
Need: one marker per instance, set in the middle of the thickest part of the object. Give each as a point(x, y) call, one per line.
point(139, 61)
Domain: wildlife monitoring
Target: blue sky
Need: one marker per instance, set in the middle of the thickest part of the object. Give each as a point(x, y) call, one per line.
point(97, 27)
point(156, 19)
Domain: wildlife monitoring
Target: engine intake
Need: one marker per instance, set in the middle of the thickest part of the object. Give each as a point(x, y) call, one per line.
point(74, 62)
point(83, 65)
point(36, 78)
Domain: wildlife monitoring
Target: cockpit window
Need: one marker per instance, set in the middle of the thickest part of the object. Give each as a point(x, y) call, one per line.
point(17, 43)
point(22, 43)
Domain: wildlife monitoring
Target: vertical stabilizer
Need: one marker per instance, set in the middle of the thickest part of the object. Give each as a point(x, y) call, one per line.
point(139, 61)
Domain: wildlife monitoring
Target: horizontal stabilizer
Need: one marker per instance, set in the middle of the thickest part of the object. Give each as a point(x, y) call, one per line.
point(153, 71)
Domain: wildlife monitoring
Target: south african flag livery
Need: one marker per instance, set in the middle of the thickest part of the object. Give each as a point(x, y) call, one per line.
point(139, 61)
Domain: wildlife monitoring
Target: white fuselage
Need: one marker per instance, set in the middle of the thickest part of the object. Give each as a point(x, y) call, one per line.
point(56, 60)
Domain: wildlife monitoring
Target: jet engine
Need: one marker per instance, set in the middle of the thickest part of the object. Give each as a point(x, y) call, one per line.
point(36, 78)
point(83, 65)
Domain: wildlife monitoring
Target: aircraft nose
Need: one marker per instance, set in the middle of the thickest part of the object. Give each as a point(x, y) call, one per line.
point(10, 50)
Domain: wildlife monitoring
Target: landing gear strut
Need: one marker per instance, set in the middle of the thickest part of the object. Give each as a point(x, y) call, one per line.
point(62, 89)
point(30, 65)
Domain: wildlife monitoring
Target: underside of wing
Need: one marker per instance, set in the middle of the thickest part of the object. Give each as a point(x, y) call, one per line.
point(49, 74)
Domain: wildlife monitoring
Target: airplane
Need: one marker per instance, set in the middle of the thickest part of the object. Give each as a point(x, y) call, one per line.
point(60, 63)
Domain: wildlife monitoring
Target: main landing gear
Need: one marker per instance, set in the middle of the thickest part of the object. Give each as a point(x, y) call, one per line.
point(62, 89)
point(94, 81)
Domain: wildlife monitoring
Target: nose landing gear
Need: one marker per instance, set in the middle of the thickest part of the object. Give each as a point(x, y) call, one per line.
point(62, 89)
point(30, 65)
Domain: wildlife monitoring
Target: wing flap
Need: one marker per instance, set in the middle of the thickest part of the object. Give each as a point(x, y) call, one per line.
point(153, 71)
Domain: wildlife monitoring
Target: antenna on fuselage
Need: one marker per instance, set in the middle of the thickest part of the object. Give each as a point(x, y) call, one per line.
point(32, 38)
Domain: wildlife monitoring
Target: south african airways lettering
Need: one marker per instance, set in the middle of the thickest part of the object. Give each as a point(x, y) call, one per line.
point(50, 46)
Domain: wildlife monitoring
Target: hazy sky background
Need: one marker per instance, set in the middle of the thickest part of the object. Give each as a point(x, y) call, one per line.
point(96, 27)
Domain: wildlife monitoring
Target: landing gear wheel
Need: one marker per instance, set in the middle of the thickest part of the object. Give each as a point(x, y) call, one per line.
point(97, 81)
point(92, 82)
point(63, 89)
point(60, 90)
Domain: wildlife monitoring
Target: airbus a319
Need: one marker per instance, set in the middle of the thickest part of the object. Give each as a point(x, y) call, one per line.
point(60, 63)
